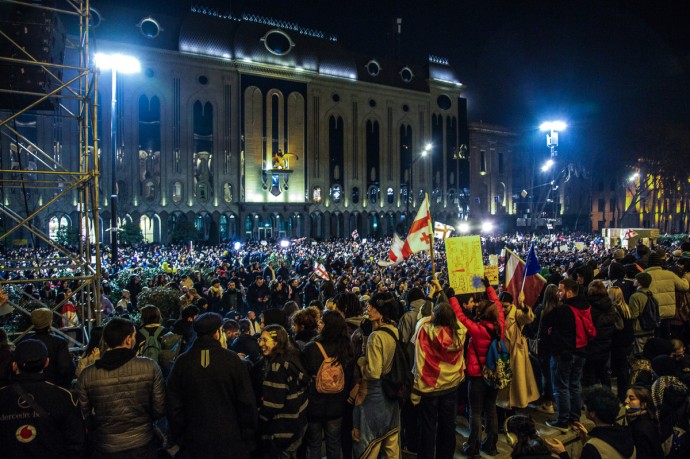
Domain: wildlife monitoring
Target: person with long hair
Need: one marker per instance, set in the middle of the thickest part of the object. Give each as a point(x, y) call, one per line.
point(325, 411)
point(523, 388)
point(482, 397)
point(638, 415)
point(622, 343)
point(606, 321)
point(438, 372)
point(376, 418)
point(282, 411)
point(542, 347)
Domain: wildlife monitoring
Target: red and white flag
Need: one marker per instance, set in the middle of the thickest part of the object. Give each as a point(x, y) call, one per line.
point(355, 234)
point(320, 270)
point(442, 231)
point(629, 234)
point(515, 275)
point(395, 255)
point(420, 236)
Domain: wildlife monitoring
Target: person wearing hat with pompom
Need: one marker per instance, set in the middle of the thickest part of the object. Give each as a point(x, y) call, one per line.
point(206, 419)
point(664, 286)
point(39, 419)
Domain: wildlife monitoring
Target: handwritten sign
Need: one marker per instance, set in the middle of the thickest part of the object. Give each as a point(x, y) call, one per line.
point(465, 264)
point(491, 272)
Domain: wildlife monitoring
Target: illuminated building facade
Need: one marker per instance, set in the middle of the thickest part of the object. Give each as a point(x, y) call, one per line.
point(256, 128)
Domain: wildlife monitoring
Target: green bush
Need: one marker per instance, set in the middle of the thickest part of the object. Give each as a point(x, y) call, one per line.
point(166, 299)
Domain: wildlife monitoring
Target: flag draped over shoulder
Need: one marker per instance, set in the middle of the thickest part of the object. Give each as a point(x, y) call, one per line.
point(523, 281)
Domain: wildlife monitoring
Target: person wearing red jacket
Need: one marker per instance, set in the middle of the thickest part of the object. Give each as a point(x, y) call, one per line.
point(570, 328)
point(482, 397)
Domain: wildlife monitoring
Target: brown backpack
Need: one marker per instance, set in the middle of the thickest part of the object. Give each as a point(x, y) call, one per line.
point(330, 379)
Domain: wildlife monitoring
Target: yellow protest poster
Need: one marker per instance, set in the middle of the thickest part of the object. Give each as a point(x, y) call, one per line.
point(493, 259)
point(465, 263)
point(580, 246)
point(491, 272)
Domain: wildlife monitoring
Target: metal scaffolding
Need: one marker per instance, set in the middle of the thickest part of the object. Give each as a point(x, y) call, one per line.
point(48, 139)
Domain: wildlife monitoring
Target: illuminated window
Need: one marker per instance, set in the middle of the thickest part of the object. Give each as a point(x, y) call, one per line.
point(227, 192)
point(146, 225)
point(177, 192)
point(55, 224)
point(316, 194)
point(336, 193)
point(149, 27)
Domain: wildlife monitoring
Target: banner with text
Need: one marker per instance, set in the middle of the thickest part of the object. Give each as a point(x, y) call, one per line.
point(465, 264)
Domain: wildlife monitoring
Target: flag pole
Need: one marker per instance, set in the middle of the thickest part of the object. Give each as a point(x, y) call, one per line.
point(431, 234)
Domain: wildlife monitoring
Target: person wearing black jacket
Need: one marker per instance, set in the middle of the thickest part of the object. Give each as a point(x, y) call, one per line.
point(217, 419)
point(38, 419)
point(606, 320)
point(61, 367)
point(325, 411)
point(258, 295)
point(245, 344)
point(570, 326)
point(638, 402)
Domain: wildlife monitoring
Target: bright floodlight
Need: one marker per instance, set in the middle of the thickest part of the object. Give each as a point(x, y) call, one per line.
point(237, 245)
point(547, 165)
point(119, 62)
point(553, 126)
point(634, 177)
point(428, 146)
point(285, 243)
point(487, 227)
point(364, 240)
point(464, 227)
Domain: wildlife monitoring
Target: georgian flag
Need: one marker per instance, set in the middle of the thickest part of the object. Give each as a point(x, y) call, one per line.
point(320, 271)
point(355, 234)
point(442, 231)
point(629, 234)
point(420, 236)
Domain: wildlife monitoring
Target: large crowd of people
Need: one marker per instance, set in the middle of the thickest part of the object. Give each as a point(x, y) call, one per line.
point(262, 356)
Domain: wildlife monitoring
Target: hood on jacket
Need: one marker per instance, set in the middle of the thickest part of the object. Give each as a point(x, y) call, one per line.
point(601, 303)
point(619, 437)
point(115, 358)
point(578, 302)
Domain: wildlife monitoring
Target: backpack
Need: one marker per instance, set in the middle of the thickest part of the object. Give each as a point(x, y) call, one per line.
point(171, 345)
point(330, 379)
point(496, 372)
point(151, 347)
point(649, 318)
point(397, 383)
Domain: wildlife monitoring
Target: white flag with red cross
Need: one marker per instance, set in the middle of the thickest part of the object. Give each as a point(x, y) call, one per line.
point(421, 236)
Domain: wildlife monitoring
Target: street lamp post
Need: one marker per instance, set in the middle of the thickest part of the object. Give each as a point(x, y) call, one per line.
point(553, 128)
point(410, 188)
point(123, 64)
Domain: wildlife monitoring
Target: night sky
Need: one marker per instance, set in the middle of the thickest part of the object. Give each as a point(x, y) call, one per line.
point(605, 67)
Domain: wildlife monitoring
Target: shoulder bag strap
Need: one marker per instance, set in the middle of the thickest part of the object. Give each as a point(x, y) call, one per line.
point(323, 351)
point(389, 332)
point(29, 399)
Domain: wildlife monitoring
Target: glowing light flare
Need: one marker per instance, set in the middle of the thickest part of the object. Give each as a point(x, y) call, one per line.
point(464, 227)
point(487, 227)
point(547, 165)
point(121, 63)
point(553, 126)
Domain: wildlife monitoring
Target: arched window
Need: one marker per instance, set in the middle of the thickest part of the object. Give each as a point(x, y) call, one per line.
point(146, 225)
point(55, 224)
point(336, 193)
